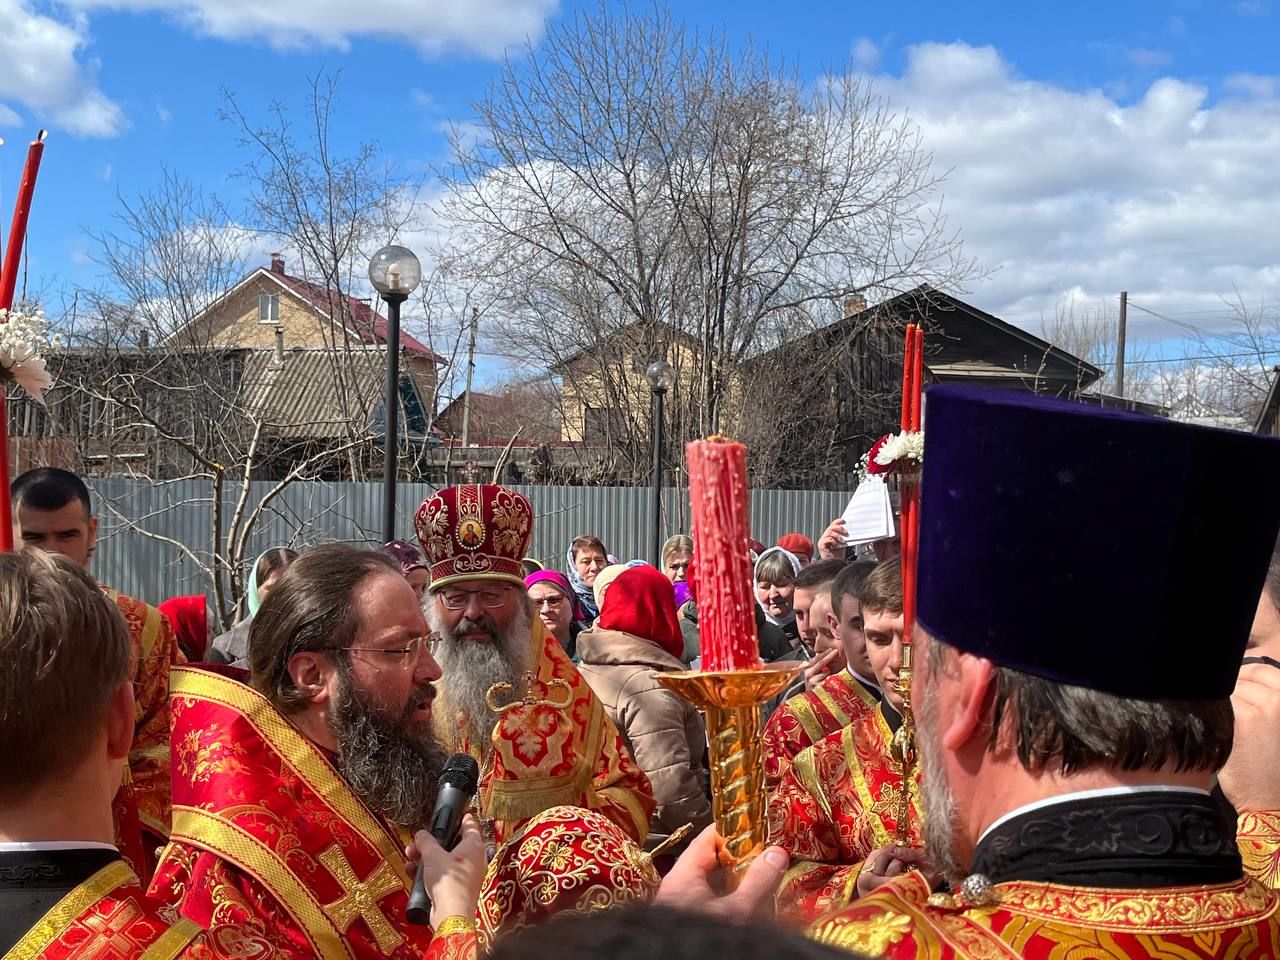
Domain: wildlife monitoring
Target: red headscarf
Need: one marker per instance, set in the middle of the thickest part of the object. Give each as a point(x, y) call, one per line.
point(640, 602)
point(190, 619)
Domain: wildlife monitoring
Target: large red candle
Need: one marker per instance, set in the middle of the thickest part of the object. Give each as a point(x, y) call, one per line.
point(8, 283)
point(18, 231)
point(721, 529)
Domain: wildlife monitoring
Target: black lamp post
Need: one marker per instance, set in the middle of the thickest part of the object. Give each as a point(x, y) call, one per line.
point(661, 376)
point(395, 273)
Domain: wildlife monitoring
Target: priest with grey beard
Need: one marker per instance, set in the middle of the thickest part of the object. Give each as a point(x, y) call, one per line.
point(510, 695)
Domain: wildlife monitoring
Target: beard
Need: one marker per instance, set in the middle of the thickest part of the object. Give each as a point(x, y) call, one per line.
point(391, 762)
point(940, 827)
point(462, 715)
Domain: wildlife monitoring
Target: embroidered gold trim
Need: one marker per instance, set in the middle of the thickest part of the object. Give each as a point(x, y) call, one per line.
point(69, 909)
point(302, 756)
point(867, 801)
point(1199, 908)
point(808, 720)
point(173, 941)
point(828, 701)
point(455, 924)
point(807, 772)
point(248, 853)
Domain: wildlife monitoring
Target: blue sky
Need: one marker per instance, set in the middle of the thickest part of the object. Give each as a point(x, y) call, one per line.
point(1094, 146)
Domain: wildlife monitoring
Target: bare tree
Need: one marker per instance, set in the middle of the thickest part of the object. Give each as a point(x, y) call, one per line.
point(331, 209)
point(148, 388)
point(641, 191)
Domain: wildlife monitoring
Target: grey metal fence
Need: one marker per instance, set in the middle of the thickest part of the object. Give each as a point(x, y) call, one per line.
point(307, 513)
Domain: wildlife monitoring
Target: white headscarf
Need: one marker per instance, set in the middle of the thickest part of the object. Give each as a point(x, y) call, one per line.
point(795, 570)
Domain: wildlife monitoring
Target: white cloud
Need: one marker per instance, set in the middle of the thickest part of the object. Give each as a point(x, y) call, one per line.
point(1147, 59)
point(8, 118)
point(484, 27)
point(1251, 8)
point(866, 55)
point(1253, 85)
point(164, 113)
point(42, 72)
point(107, 172)
point(1062, 192)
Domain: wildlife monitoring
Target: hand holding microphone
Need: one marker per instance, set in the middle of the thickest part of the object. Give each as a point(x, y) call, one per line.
point(451, 850)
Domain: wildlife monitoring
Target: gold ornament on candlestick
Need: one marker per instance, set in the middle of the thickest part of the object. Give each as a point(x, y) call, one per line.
point(730, 701)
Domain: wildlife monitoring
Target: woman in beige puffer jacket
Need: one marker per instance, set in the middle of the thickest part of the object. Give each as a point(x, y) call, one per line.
point(635, 638)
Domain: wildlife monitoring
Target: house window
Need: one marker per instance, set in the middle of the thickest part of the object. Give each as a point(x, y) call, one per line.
point(268, 308)
point(602, 424)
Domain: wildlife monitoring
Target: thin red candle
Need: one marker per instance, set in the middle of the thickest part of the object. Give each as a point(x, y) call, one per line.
point(907, 368)
point(18, 231)
point(917, 376)
point(718, 498)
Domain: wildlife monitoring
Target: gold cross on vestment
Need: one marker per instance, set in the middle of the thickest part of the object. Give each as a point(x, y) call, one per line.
point(108, 935)
point(360, 898)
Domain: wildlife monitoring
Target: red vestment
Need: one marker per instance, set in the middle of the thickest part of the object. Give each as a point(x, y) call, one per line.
point(836, 805)
point(806, 718)
point(107, 917)
point(142, 805)
point(1048, 921)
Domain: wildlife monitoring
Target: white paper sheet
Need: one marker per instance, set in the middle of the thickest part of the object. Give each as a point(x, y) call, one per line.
point(869, 515)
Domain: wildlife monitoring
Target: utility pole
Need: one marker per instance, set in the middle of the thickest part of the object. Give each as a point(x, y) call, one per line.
point(471, 369)
point(1124, 313)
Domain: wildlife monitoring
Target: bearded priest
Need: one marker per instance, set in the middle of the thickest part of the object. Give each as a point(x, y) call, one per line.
point(495, 653)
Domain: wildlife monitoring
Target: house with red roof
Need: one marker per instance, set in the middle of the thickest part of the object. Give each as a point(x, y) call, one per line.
point(272, 309)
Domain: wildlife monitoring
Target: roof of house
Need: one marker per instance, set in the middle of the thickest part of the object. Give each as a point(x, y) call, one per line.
point(951, 359)
point(304, 398)
point(495, 417)
point(622, 331)
point(365, 323)
point(1267, 415)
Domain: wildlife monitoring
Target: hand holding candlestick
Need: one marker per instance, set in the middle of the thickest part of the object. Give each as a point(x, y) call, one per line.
point(733, 683)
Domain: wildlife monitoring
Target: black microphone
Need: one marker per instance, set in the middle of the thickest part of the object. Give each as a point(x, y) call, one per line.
point(458, 782)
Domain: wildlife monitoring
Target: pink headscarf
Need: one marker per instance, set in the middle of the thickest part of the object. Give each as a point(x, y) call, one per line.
point(561, 583)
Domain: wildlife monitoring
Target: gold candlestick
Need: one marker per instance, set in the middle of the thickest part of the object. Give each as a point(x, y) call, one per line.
point(730, 700)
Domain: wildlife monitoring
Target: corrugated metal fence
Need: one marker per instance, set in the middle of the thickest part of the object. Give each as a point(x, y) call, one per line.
point(307, 513)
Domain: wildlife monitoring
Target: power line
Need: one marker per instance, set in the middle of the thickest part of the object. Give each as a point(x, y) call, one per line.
point(1206, 356)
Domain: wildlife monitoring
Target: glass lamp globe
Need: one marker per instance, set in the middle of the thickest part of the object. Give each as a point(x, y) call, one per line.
point(661, 375)
point(395, 271)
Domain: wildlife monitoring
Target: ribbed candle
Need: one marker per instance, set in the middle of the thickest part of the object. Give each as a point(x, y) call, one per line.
point(721, 525)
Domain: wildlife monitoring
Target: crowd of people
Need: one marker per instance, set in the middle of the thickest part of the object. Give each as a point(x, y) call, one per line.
point(1089, 659)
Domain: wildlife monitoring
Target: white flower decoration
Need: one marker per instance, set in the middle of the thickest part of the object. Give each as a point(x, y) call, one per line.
point(23, 338)
point(908, 445)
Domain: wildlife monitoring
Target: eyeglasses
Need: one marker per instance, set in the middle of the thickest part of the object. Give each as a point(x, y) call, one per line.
point(551, 601)
point(490, 599)
point(412, 651)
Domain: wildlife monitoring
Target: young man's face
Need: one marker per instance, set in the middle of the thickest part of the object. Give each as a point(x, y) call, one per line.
point(824, 635)
point(69, 530)
point(848, 630)
point(883, 630)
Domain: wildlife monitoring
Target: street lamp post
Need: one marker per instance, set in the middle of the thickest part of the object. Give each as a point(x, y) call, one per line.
point(394, 272)
point(661, 376)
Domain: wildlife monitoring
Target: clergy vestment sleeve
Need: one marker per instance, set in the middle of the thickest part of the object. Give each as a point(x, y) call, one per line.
point(1258, 836)
point(156, 647)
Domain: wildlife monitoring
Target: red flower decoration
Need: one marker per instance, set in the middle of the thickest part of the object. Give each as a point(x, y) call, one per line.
point(872, 466)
